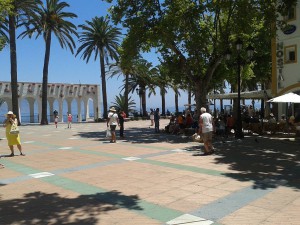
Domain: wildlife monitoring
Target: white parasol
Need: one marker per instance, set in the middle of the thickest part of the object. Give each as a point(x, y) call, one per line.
point(288, 98)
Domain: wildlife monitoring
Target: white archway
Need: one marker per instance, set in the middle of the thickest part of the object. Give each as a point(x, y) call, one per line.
point(58, 94)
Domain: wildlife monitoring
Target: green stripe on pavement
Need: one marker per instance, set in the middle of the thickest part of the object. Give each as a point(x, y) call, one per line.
point(183, 167)
point(147, 209)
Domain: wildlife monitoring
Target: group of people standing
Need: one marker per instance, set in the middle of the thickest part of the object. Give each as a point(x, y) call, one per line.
point(114, 119)
point(202, 124)
point(69, 118)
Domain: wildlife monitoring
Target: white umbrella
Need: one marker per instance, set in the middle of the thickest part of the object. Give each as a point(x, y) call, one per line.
point(289, 97)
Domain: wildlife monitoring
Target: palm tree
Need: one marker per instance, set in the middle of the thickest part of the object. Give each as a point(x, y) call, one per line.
point(5, 9)
point(141, 78)
point(20, 11)
point(161, 80)
point(3, 34)
point(100, 37)
point(177, 94)
point(117, 69)
point(52, 19)
point(121, 102)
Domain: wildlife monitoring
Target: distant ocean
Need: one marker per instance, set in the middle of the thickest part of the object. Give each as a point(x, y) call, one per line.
point(25, 115)
point(25, 112)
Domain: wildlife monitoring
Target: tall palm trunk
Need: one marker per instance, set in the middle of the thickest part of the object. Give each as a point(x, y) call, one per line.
point(144, 106)
point(126, 93)
point(163, 102)
point(13, 65)
point(103, 79)
point(190, 97)
point(176, 102)
point(44, 119)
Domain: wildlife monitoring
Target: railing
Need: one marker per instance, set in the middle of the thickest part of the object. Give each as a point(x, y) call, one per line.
point(35, 118)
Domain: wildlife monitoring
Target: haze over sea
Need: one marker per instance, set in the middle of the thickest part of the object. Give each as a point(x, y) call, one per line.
point(24, 108)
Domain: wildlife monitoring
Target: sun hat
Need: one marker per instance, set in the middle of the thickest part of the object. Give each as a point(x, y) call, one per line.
point(9, 113)
point(112, 109)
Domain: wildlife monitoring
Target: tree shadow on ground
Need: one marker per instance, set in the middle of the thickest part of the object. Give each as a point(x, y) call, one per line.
point(138, 136)
point(265, 161)
point(45, 208)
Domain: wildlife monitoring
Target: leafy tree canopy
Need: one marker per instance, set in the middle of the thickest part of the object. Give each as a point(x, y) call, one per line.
point(5, 8)
point(192, 36)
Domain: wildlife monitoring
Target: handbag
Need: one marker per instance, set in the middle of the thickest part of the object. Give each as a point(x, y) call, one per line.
point(108, 132)
point(14, 129)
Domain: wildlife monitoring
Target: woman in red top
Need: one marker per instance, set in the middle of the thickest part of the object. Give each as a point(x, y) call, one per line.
point(70, 118)
point(189, 121)
point(229, 124)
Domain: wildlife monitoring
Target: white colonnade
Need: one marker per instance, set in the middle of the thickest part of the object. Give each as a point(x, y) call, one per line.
point(32, 92)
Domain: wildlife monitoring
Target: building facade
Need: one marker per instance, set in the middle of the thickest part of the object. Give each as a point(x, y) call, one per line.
point(285, 59)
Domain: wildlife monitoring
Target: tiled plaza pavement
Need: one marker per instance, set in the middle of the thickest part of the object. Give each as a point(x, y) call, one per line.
point(75, 176)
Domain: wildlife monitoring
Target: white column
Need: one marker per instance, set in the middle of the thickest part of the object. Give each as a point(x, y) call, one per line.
point(39, 101)
point(31, 109)
point(20, 115)
point(51, 101)
point(87, 114)
point(79, 109)
point(60, 109)
point(69, 101)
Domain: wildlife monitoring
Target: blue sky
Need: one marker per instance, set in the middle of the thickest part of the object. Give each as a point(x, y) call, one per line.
point(64, 67)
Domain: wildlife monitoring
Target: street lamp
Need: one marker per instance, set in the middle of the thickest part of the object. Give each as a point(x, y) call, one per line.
point(239, 62)
point(139, 91)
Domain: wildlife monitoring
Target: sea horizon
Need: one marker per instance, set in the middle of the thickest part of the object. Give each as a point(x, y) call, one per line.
point(25, 113)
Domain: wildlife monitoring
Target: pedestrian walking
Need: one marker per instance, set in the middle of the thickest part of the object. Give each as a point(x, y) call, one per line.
point(151, 117)
point(122, 116)
point(56, 121)
point(206, 130)
point(13, 138)
point(70, 118)
point(112, 122)
point(156, 120)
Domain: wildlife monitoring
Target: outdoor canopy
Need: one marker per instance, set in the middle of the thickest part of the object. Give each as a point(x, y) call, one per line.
point(287, 98)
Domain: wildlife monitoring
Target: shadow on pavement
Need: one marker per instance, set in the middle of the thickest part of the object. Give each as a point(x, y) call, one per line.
point(267, 162)
point(44, 208)
point(139, 136)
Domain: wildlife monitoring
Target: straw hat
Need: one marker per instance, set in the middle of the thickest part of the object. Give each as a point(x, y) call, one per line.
point(112, 109)
point(9, 113)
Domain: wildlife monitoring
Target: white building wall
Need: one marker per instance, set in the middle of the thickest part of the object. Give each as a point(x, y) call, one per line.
point(287, 75)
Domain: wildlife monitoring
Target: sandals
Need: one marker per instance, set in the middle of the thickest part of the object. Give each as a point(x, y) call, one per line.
point(12, 155)
point(22, 154)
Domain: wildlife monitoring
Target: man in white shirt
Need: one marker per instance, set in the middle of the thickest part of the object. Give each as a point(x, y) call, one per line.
point(206, 130)
point(112, 122)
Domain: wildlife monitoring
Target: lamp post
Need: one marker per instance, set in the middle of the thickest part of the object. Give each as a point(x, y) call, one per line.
point(239, 62)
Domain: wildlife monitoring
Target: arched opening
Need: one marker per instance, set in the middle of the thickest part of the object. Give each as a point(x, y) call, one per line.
point(65, 110)
point(55, 108)
point(3, 109)
point(91, 109)
point(29, 110)
point(24, 111)
point(74, 109)
point(82, 106)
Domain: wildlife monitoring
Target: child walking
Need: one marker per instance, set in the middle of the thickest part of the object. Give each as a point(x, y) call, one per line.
point(69, 120)
point(56, 121)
